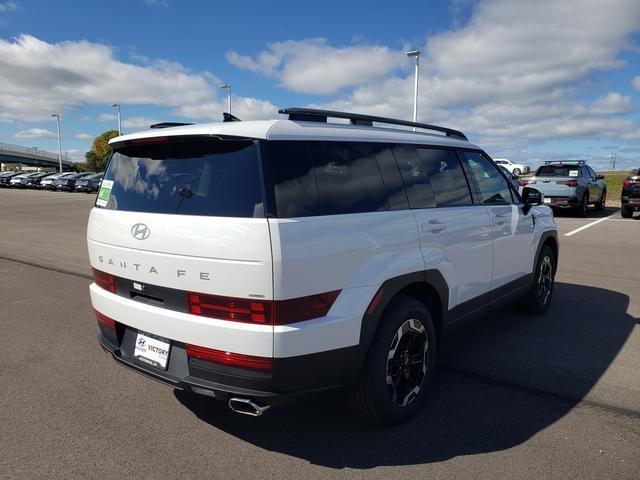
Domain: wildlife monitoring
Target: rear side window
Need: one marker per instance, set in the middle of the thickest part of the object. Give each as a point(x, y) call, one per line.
point(348, 178)
point(195, 177)
point(433, 177)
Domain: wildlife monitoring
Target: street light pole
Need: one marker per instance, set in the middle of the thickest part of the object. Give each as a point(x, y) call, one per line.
point(57, 117)
point(416, 54)
point(119, 120)
point(227, 86)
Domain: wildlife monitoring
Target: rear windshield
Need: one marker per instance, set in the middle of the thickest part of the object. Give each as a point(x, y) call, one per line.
point(210, 177)
point(558, 171)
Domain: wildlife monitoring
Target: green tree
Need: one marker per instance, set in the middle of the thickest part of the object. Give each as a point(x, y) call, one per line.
point(96, 159)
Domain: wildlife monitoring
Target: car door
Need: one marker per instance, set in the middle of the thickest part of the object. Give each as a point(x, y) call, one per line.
point(455, 234)
point(513, 241)
point(595, 189)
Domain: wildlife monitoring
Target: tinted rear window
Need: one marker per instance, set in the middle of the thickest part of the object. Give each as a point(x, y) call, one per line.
point(558, 171)
point(212, 177)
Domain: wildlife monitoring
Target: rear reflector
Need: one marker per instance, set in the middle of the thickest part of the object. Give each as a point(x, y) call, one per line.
point(104, 320)
point(105, 280)
point(266, 312)
point(228, 358)
point(375, 301)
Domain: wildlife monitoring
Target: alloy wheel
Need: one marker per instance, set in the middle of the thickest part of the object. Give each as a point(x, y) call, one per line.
point(545, 280)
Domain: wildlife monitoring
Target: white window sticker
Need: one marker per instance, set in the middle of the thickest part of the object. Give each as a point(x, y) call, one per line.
point(573, 173)
point(105, 193)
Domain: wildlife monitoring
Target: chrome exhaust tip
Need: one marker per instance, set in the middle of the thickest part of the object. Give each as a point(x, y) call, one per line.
point(246, 406)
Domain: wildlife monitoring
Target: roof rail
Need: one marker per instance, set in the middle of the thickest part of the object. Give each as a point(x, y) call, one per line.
point(579, 162)
point(169, 124)
point(317, 115)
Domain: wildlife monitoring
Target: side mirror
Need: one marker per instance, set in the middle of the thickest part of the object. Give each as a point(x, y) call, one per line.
point(531, 197)
point(600, 177)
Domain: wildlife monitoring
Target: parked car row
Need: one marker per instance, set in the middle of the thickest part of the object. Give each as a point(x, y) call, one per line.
point(87, 182)
point(630, 198)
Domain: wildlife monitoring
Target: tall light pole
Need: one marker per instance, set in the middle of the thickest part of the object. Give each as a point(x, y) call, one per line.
point(416, 54)
point(57, 117)
point(119, 120)
point(228, 87)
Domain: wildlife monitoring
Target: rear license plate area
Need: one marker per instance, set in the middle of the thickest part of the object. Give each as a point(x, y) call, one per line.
point(152, 350)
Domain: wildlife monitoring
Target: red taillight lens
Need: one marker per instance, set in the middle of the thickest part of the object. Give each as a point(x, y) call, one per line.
point(227, 308)
point(281, 312)
point(568, 183)
point(150, 140)
point(524, 183)
point(104, 320)
point(630, 181)
point(105, 280)
point(228, 358)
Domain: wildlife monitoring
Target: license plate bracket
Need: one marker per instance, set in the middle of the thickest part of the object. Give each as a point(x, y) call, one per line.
point(152, 350)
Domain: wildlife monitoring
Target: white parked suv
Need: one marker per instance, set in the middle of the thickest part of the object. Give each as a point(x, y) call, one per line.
point(258, 262)
point(515, 168)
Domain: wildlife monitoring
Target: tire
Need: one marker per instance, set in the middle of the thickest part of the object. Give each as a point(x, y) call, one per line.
point(538, 299)
point(603, 200)
point(626, 212)
point(516, 172)
point(390, 390)
point(583, 209)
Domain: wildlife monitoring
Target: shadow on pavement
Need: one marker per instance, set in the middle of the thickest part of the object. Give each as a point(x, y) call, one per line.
point(593, 213)
point(564, 352)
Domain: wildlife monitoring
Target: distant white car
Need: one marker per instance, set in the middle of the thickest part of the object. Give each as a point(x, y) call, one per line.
point(514, 168)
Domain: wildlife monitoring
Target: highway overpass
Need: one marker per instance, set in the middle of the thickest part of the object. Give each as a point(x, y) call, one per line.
point(31, 156)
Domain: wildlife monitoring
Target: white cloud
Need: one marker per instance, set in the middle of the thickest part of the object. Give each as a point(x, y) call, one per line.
point(137, 123)
point(243, 107)
point(107, 117)
point(313, 66)
point(611, 103)
point(76, 155)
point(82, 136)
point(34, 133)
point(7, 7)
point(636, 82)
point(37, 78)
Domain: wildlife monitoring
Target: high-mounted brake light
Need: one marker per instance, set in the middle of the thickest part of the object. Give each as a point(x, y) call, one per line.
point(105, 280)
point(568, 183)
point(265, 312)
point(229, 358)
point(525, 182)
point(150, 140)
point(104, 320)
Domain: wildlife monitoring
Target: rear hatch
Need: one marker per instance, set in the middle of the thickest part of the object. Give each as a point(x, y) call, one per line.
point(185, 214)
point(555, 180)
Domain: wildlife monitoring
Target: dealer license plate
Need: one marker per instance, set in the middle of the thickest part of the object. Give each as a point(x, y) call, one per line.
point(547, 200)
point(152, 350)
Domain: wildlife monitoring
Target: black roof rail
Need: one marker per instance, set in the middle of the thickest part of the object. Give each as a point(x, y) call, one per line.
point(169, 124)
point(579, 162)
point(317, 115)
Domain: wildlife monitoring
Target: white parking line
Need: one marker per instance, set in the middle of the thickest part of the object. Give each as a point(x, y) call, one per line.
point(584, 227)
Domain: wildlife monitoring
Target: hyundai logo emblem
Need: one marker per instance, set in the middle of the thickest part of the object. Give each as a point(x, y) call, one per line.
point(140, 231)
point(141, 342)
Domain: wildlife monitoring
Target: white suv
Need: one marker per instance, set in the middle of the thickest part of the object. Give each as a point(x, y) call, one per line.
point(256, 262)
point(515, 168)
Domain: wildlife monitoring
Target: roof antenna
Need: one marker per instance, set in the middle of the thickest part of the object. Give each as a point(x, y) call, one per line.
point(227, 117)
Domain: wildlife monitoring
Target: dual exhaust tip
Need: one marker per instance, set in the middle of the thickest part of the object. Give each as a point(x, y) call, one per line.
point(246, 406)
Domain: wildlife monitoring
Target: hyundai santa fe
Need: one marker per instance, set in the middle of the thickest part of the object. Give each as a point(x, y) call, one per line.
point(258, 262)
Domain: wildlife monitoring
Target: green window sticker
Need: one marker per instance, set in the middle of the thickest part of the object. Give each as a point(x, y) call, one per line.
point(104, 193)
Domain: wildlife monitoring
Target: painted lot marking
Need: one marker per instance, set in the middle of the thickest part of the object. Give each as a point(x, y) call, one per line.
point(588, 225)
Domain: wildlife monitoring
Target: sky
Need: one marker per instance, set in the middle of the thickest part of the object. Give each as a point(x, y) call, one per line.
point(529, 81)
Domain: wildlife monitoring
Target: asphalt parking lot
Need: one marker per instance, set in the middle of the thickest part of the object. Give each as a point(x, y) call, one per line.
point(515, 397)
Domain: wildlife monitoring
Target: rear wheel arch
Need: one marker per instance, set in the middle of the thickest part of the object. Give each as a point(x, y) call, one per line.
point(429, 287)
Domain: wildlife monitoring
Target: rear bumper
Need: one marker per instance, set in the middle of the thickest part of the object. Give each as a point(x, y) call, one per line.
point(630, 202)
point(561, 202)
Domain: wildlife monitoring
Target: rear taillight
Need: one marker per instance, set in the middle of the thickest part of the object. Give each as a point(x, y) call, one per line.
point(228, 358)
point(266, 312)
point(568, 183)
point(524, 182)
point(631, 181)
point(104, 320)
point(105, 280)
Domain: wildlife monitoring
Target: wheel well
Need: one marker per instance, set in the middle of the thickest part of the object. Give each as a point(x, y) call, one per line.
point(428, 295)
point(553, 244)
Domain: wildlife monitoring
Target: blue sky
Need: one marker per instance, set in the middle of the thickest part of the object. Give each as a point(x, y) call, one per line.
point(526, 80)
